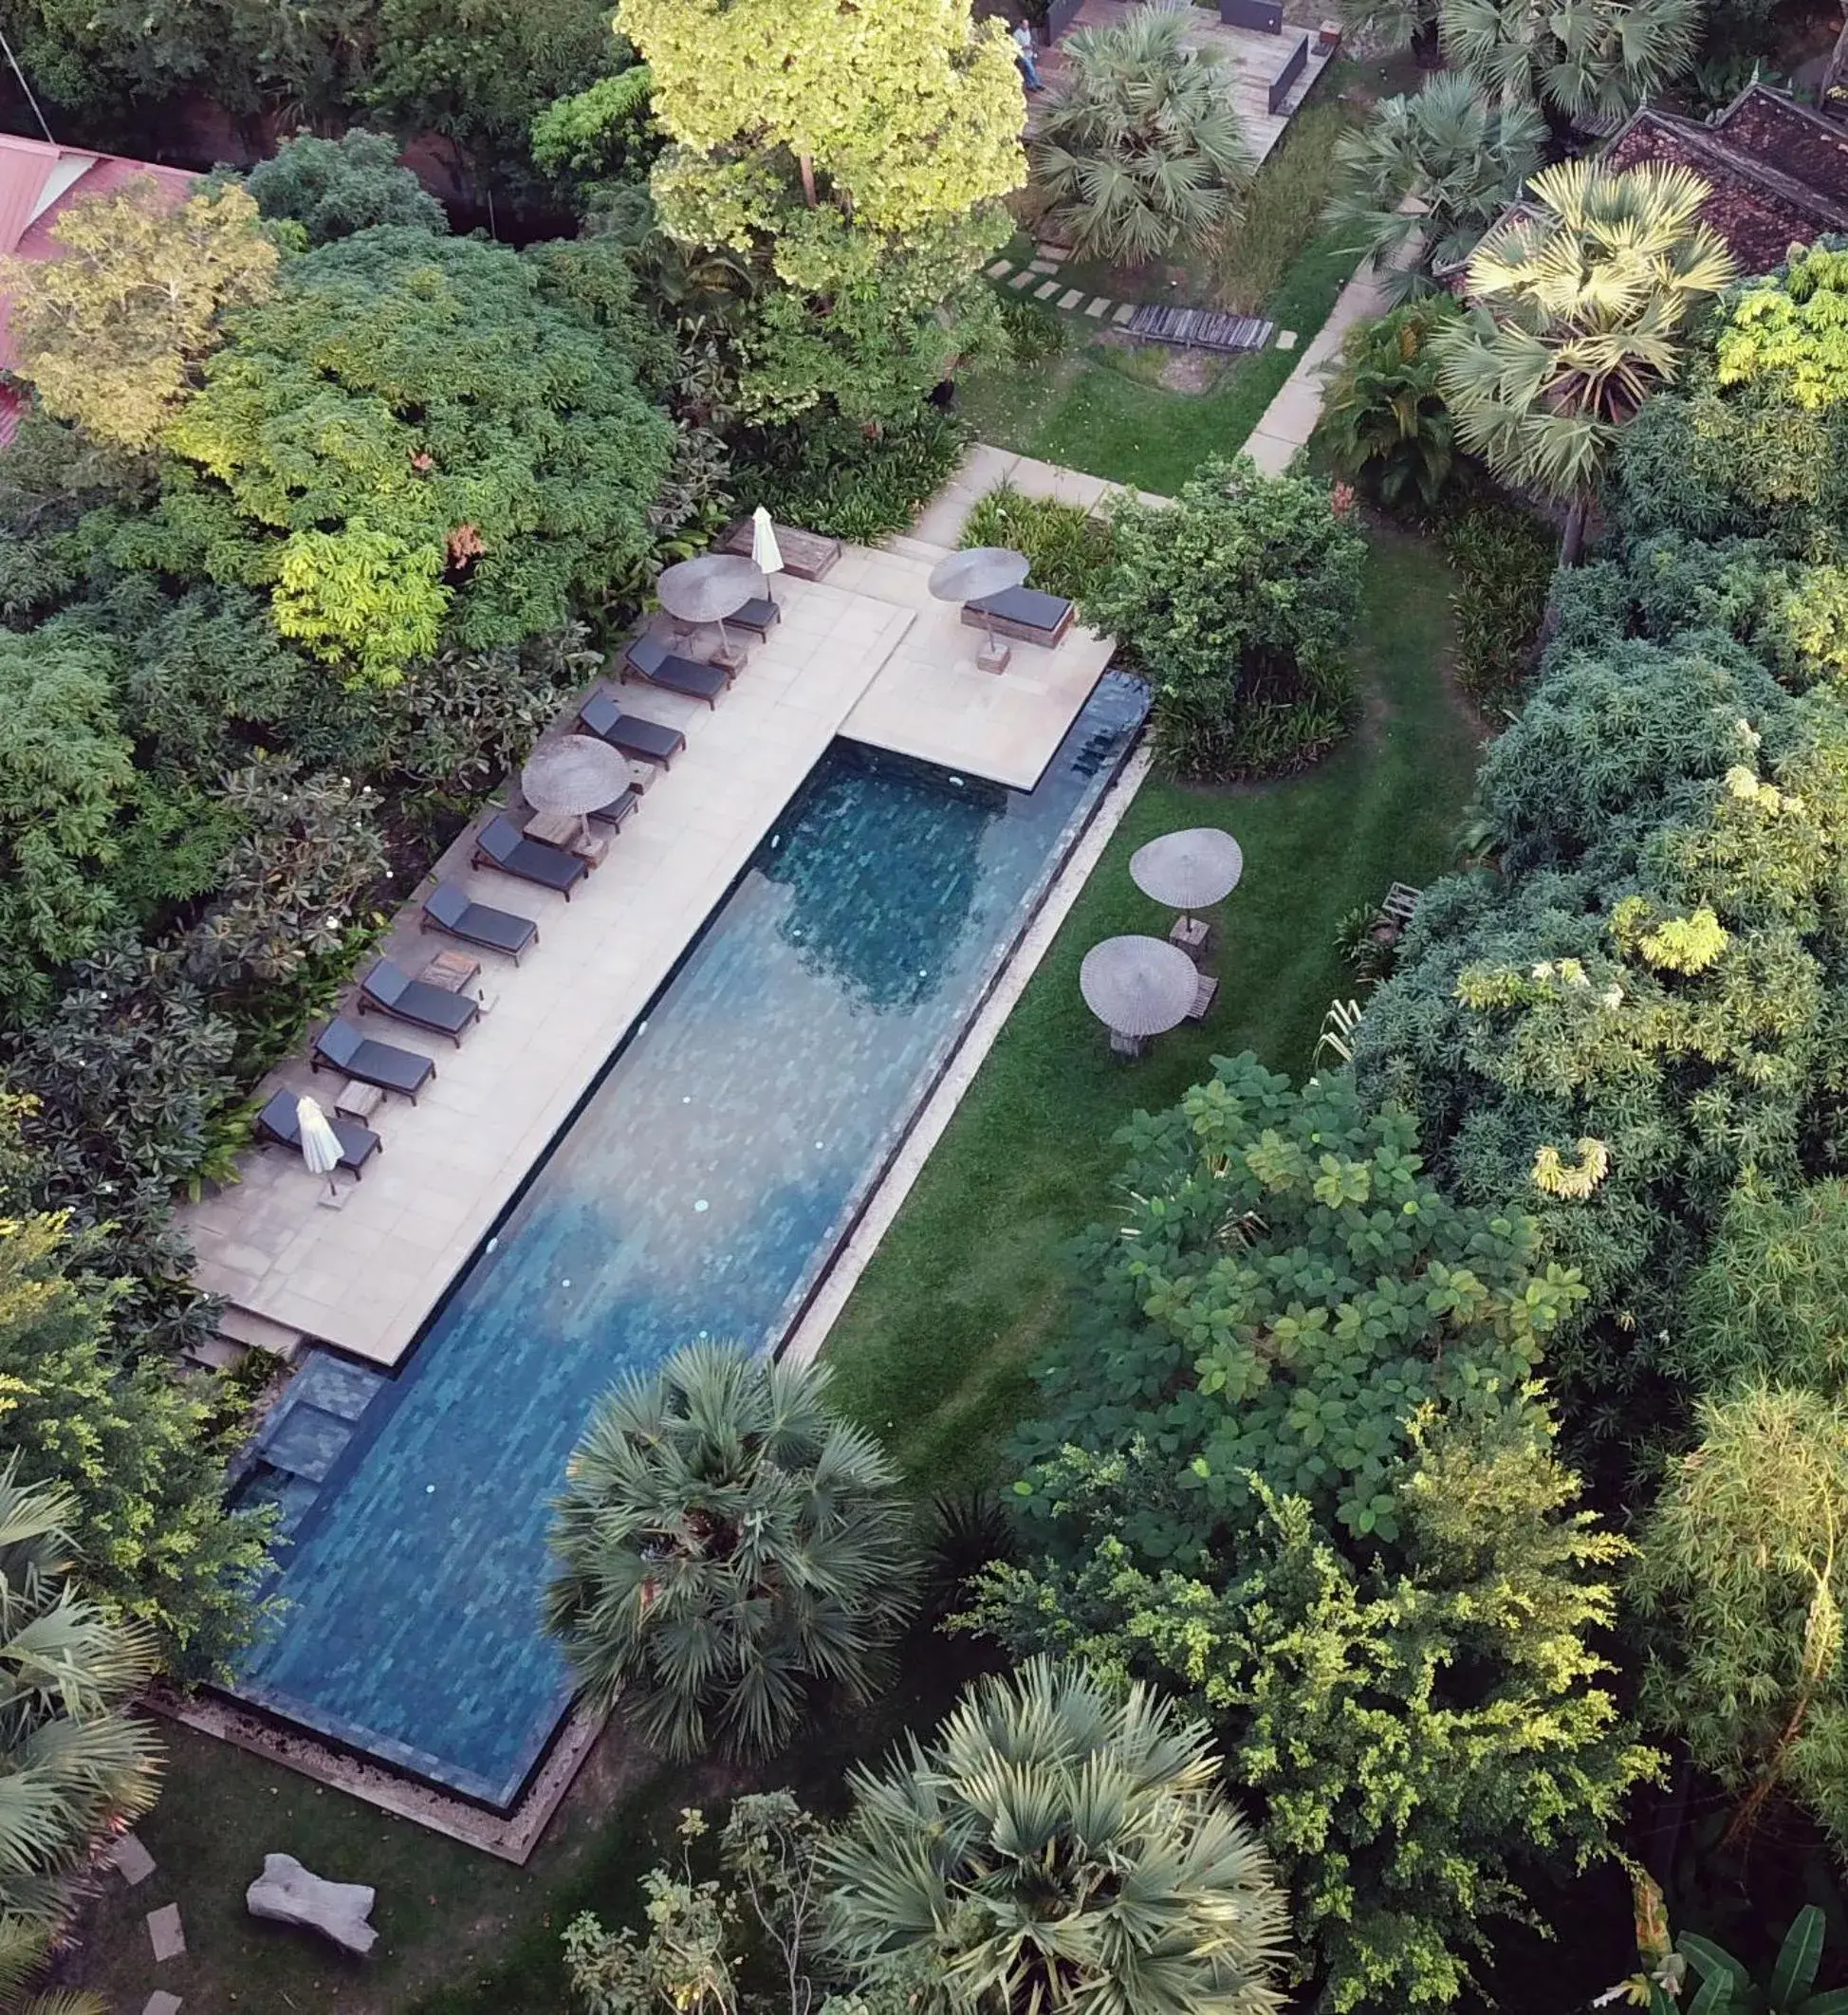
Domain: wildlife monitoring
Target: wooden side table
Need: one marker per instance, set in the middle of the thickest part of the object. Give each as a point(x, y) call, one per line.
point(453, 971)
point(569, 833)
point(358, 1101)
point(1193, 934)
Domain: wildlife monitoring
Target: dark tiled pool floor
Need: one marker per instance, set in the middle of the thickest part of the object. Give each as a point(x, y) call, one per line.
point(699, 1192)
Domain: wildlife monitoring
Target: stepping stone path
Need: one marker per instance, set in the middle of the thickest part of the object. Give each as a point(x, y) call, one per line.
point(1125, 313)
point(1045, 269)
point(1057, 254)
point(1044, 266)
point(1286, 339)
point(134, 1863)
point(164, 1930)
point(162, 2002)
point(1098, 306)
point(1021, 280)
point(1000, 269)
point(1071, 299)
point(1045, 290)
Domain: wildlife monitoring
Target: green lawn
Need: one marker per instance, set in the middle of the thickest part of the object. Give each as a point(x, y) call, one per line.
point(1091, 409)
point(933, 1351)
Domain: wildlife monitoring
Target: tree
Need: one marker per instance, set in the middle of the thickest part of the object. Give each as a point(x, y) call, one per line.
point(724, 1543)
point(1593, 60)
point(1383, 420)
point(1419, 1718)
point(1060, 1847)
point(1580, 307)
point(1238, 599)
point(111, 333)
point(1783, 333)
point(1138, 148)
point(1428, 175)
point(413, 443)
point(1742, 1579)
point(334, 188)
point(601, 139)
point(75, 1764)
point(138, 1458)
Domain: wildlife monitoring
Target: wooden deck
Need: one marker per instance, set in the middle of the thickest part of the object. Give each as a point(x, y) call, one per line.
point(1251, 58)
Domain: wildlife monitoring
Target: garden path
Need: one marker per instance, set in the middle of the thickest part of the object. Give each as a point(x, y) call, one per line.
point(1290, 417)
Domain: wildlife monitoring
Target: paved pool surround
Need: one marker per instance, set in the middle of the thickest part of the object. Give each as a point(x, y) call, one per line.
point(701, 1189)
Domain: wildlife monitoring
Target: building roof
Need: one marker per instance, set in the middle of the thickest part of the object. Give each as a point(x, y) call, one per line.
point(38, 179)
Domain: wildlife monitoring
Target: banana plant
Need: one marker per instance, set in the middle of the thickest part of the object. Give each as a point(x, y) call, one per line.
point(1726, 1988)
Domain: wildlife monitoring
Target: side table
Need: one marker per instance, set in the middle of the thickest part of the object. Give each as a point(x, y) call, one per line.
point(1193, 934)
point(570, 834)
point(453, 971)
point(358, 1101)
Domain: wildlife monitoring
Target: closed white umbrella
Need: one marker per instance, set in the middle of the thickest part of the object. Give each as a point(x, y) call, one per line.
point(765, 554)
point(320, 1143)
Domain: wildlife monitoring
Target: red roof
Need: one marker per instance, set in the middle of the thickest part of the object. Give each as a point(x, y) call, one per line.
point(37, 180)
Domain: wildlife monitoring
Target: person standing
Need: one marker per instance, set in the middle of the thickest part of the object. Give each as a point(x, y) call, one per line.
point(1023, 50)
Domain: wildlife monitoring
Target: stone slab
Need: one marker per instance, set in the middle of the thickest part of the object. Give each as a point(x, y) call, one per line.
point(164, 1930)
point(1071, 297)
point(1286, 339)
point(1043, 266)
point(132, 1860)
point(162, 2002)
point(1054, 255)
point(1045, 290)
point(1023, 278)
point(1125, 313)
point(1098, 306)
point(999, 269)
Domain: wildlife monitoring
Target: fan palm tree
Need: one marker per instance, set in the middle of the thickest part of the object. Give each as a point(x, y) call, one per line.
point(1590, 60)
point(1428, 175)
point(1057, 1848)
point(723, 1540)
point(1140, 149)
point(72, 1762)
point(24, 1949)
point(1384, 419)
point(1580, 307)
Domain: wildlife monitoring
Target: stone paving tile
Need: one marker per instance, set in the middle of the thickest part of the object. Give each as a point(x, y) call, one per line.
point(164, 1930)
point(132, 1860)
point(1098, 305)
point(1071, 297)
point(1023, 278)
point(1125, 313)
point(1046, 290)
point(999, 267)
point(1044, 266)
point(1286, 339)
point(162, 2002)
point(1054, 255)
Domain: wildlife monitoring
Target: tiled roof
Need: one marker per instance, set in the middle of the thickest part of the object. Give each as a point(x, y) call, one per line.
point(1774, 129)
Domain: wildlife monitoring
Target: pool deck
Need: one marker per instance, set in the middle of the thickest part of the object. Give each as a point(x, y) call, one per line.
point(865, 653)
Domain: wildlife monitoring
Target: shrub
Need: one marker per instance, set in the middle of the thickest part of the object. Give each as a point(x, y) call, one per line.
point(1034, 333)
point(845, 482)
point(1238, 599)
point(1071, 551)
point(1384, 419)
point(1505, 559)
point(334, 188)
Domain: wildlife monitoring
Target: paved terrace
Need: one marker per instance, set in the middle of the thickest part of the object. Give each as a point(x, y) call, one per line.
point(867, 653)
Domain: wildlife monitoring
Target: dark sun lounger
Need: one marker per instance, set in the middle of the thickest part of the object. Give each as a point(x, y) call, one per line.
point(341, 1046)
point(501, 843)
point(394, 993)
point(478, 923)
point(1023, 613)
point(277, 1123)
point(648, 658)
point(617, 809)
point(630, 733)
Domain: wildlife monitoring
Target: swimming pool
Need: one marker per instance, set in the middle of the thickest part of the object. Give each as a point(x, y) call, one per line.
point(699, 1190)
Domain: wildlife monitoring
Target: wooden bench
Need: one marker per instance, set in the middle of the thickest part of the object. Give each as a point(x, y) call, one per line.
point(807, 556)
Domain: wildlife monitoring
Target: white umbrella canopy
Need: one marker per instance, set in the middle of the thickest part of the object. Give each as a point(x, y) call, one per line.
point(765, 554)
point(1138, 986)
point(979, 571)
point(1188, 870)
point(320, 1147)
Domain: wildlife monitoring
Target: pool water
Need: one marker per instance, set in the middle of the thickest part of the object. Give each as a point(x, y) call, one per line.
point(698, 1192)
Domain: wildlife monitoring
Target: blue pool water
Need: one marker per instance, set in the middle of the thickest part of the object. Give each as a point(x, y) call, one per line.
point(699, 1190)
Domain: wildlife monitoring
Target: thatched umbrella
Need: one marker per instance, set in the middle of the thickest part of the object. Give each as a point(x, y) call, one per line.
point(1137, 986)
point(574, 775)
point(1188, 871)
point(711, 588)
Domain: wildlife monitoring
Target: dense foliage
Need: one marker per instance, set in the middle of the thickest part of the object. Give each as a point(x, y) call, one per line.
point(1237, 600)
point(334, 188)
point(1383, 420)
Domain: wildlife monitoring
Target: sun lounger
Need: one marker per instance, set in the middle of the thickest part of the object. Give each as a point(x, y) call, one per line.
point(394, 993)
point(502, 844)
point(648, 658)
point(756, 616)
point(450, 910)
point(1022, 613)
point(617, 809)
point(630, 733)
point(341, 1046)
point(278, 1122)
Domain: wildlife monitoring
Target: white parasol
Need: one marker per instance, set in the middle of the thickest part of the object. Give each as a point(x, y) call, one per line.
point(765, 554)
point(320, 1147)
point(1137, 986)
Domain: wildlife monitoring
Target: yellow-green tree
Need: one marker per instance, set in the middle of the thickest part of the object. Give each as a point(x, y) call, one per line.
point(111, 333)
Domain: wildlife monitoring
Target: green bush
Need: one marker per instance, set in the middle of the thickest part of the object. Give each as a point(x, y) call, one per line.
point(1282, 210)
point(846, 484)
point(1034, 333)
point(1504, 559)
point(1071, 551)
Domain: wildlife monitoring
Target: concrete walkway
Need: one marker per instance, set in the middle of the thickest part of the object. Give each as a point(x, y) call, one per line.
point(1290, 417)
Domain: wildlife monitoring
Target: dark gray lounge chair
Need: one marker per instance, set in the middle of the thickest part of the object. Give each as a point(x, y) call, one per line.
point(1024, 612)
point(278, 1122)
point(619, 809)
point(630, 733)
point(501, 843)
point(450, 910)
point(395, 993)
point(756, 616)
point(341, 1046)
point(648, 658)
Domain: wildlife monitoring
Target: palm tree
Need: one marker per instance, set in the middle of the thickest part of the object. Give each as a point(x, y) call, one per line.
point(1590, 60)
point(722, 1540)
point(72, 1762)
point(1140, 149)
point(1384, 419)
point(1057, 1848)
point(1580, 306)
point(1428, 175)
point(24, 1949)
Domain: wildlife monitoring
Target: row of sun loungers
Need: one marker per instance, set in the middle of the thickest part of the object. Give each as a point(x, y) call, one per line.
point(389, 991)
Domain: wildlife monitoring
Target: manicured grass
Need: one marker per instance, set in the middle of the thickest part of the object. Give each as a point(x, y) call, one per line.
point(1078, 411)
point(933, 1351)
